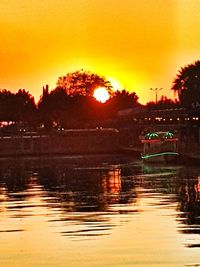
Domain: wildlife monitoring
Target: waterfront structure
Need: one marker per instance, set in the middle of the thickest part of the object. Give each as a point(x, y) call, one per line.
point(64, 142)
point(160, 147)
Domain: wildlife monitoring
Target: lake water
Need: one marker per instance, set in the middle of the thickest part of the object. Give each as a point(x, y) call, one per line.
point(98, 211)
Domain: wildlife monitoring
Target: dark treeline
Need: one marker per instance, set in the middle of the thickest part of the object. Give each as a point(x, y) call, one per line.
point(61, 110)
point(74, 111)
point(72, 104)
point(164, 103)
point(17, 107)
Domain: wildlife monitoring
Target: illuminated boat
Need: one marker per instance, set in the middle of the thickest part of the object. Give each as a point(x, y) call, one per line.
point(160, 147)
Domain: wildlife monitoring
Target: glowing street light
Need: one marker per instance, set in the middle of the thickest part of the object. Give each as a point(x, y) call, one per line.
point(156, 90)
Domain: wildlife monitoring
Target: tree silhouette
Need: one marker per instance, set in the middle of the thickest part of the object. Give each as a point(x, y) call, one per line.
point(120, 100)
point(187, 85)
point(19, 107)
point(52, 107)
point(163, 103)
point(6, 103)
point(72, 105)
point(123, 100)
point(69, 111)
point(82, 82)
point(24, 107)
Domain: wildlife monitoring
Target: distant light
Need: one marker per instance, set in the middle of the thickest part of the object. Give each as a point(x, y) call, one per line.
point(195, 118)
point(158, 118)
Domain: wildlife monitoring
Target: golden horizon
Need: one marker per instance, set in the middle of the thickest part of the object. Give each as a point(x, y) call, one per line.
point(140, 45)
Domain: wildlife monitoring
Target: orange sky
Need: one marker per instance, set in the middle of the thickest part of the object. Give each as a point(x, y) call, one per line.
point(141, 44)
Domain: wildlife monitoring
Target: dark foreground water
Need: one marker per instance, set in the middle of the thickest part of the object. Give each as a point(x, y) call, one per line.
point(98, 211)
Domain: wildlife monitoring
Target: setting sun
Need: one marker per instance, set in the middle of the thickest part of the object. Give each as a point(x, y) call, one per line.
point(101, 94)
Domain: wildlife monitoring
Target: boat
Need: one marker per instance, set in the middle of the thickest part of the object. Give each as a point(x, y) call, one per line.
point(160, 147)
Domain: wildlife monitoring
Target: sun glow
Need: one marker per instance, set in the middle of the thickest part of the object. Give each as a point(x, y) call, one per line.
point(101, 94)
point(115, 84)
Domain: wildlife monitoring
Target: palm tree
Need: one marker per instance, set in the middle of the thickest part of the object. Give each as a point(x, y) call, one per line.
point(187, 84)
point(124, 99)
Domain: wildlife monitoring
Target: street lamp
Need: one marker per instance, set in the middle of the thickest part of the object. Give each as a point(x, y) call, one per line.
point(156, 90)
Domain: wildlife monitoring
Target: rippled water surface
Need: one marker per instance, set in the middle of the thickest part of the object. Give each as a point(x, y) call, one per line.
point(98, 211)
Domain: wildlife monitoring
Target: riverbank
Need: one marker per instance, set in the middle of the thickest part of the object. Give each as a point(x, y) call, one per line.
point(67, 142)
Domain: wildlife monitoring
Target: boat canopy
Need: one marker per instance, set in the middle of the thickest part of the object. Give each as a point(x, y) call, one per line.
point(159, 135)
point(168, 135)
point(151, 136)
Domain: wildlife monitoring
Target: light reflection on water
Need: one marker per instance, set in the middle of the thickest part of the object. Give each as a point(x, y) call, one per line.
point(98, 212)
